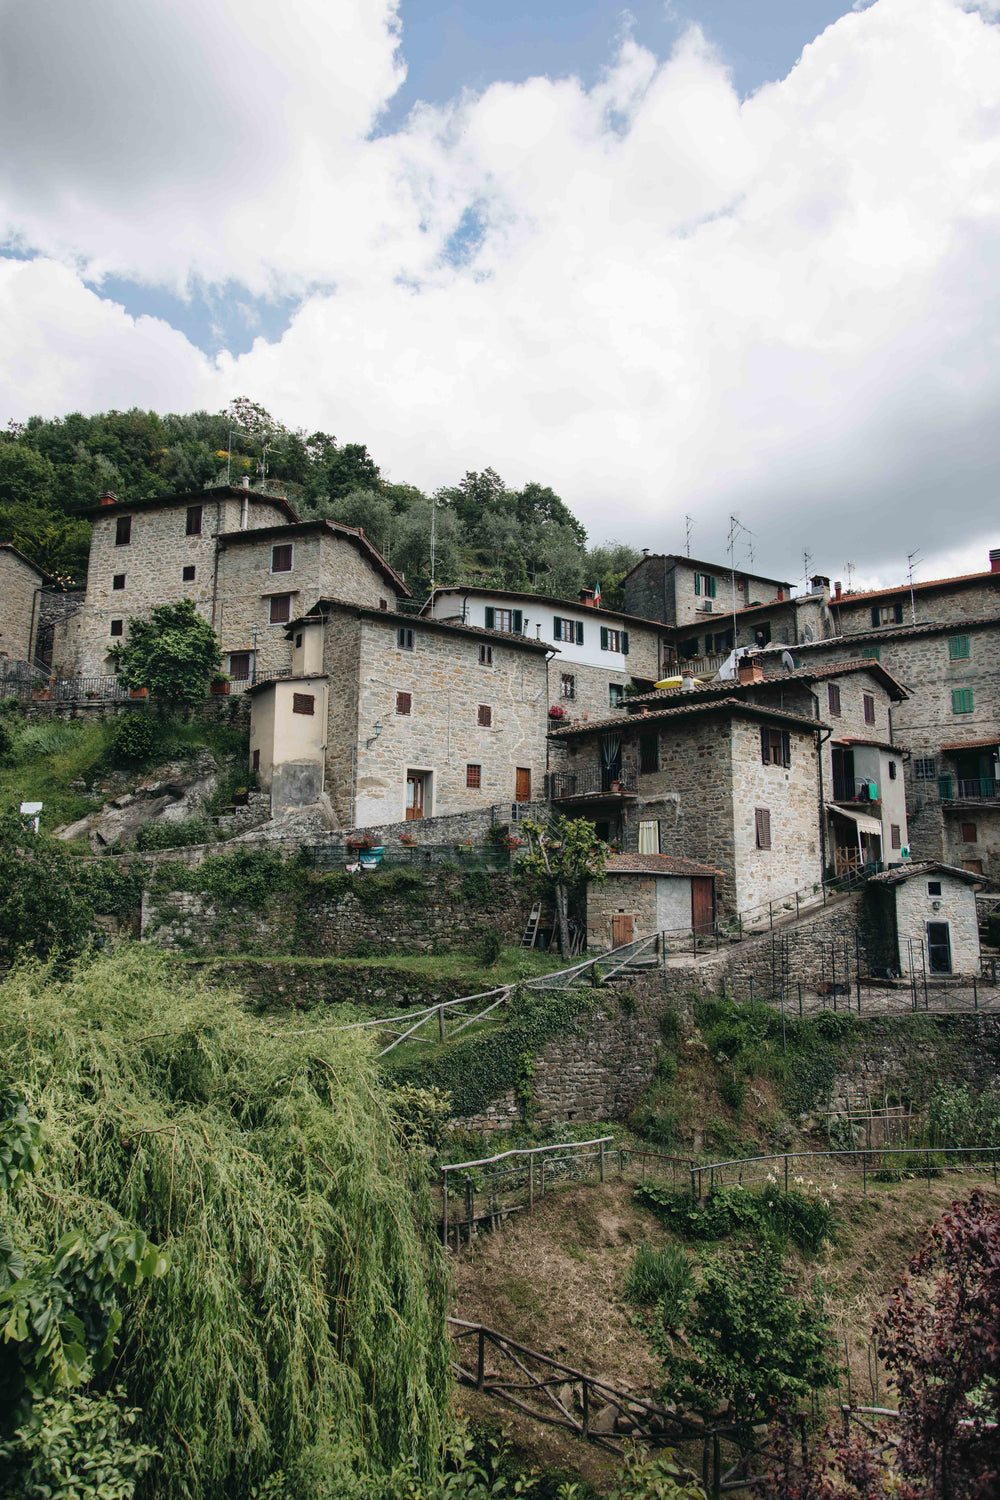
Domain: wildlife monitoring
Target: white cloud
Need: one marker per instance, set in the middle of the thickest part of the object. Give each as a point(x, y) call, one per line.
point(680, 303)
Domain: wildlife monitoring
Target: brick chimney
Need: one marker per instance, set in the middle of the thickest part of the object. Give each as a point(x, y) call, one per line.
point(995, 559)
point(750, 669)
point(109, 497)
point(838, 588)
point(587, 597)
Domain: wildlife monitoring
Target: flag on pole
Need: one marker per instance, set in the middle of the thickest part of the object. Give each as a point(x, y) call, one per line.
point(597, 594)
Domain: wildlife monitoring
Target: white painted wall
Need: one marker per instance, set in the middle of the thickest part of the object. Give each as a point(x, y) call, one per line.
point(956, 905)
point(673, 903)
point(448, 606)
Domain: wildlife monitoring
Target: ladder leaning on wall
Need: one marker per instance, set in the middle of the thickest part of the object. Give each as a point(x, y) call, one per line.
point(531, 930)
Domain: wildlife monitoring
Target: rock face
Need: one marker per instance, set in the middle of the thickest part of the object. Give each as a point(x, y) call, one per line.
point(171, 793)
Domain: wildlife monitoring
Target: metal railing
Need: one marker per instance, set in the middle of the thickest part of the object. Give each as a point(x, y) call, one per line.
point(592, 781)
point(854, 789)
point(978, 789)
point(61, 689)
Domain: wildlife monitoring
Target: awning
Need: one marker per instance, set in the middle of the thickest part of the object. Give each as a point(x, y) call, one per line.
point(864, 822)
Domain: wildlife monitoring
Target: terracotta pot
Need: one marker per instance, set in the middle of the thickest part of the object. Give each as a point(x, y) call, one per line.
point(138, 692)
point(219, 689)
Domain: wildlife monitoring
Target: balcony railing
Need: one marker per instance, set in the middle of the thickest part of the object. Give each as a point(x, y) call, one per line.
point(592, 781)
point(979, 789)
point(700, 666)
point(852, 789)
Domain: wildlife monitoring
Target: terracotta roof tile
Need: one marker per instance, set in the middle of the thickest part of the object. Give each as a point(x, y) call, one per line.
point(656, 864)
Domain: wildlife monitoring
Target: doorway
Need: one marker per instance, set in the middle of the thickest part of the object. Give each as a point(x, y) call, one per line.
point(939, 947)
point(522, 784)
point(622, 929)
point(416, 794)
point(702, 903)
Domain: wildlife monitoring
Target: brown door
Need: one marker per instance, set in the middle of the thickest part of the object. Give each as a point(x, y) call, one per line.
point(621, 930)
point(522, 789)
point(702, 903)
point(414, 795)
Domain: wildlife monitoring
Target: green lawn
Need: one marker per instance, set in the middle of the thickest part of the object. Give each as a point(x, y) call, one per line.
point(514, 964)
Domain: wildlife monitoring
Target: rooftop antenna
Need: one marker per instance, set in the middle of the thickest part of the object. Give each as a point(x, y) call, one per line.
point(736, 528)
point(912, 558)
point(688, 523)
point(806, 564)
point(849, 569)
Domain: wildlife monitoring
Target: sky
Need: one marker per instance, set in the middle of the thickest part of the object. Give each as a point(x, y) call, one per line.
point(696, 259)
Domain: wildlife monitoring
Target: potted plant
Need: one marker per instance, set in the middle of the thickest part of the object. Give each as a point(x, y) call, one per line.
point(360, 841)
point(407, 838)
point(557, 711)
point(219, 685)
point(510, 842)
point(138, 692)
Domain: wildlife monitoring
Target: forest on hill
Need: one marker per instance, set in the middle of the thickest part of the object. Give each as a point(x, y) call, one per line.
point(484, 532)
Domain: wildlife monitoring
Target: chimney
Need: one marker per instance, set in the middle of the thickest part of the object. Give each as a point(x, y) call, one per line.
point(687, 681)
point(245, 482)
point(750, 669)
point(837, 588)
point(820, 585)
point(995, 559)
point(587, 597)
point(109, 497)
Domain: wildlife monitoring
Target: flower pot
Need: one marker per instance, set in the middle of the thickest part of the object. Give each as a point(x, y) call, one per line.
point(219, 689)
point(138, 692)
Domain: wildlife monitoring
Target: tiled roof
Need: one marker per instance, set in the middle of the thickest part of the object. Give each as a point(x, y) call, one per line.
point(890, 633)
point(904, 588)
point(692, 562)
point(656, 864)
point(691, 710)
point(906, 872)
point(418, 622)
point(150, 502)
point(800, 674)
point(858, 739)
point(549, 600)
point(16, 552)
point(973, 744)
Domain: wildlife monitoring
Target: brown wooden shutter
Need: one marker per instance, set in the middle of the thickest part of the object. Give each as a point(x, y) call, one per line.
point(765, 745)
point(303, 703)
point(786, 748)
point(403, 701)
point(485, 715)
point(762, 820)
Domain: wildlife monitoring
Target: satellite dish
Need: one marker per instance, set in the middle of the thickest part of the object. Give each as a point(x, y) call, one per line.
point(788, 661)
point(807, 632)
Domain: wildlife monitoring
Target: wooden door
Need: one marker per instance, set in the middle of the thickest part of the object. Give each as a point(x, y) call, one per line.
point(522, 787)
point(702, 903)
point(621, 929)
point(414, 795)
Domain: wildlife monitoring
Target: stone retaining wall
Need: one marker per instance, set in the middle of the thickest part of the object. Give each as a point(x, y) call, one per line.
point(274, 984)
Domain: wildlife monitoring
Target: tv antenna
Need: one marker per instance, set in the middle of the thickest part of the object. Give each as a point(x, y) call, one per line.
point(912, 558)
point(849, 568)
point(736, 531)
point(806, 565)
point(688, 523)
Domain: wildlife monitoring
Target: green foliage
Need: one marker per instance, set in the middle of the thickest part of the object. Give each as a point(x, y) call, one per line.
point(478, 887)
point(422, 1114)
point(20, 1137)
point(655, 1118)
point(961, 1116)
point(174, 653)
point(804, 1217)
point(490, 948)
point(246, 878)
point(748, 1041)
point(662, 1274)
point(751, 1340)
point(42, 909)
point(133, 737)
point(179, 835)
point(562, 856)
point(75, 1447)
point(113, 887)
point(300, 1327)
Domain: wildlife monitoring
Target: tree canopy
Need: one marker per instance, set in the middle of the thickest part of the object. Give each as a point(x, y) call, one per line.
point(174, 654)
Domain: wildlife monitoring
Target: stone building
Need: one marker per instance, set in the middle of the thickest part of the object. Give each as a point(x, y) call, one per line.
point(425, 717)
point(22, 585)
point(928, 912)
point(731, 784)
point(861, 768)
point(602, 652)
point(649, 893)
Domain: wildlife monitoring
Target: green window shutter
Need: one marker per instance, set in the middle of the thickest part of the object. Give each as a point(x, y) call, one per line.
point(490, 616)
point(765, 746)
point(958, 647)
point(897, 613)
point(624, 643)
point(711, 587)
point(604, 638)
point(875, 619)
point(961, 700)
point(697, 583)
point(579, 632)
point(557, 628)
point(870, 653)
point(518, 622)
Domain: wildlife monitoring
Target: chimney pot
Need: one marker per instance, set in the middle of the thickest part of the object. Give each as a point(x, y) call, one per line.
point(995, 559)
point(108, 497)
point(245, 482)
point(750, 669)
point(838, 587)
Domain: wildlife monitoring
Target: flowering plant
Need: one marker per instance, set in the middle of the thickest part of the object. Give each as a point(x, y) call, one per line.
point(557, 711)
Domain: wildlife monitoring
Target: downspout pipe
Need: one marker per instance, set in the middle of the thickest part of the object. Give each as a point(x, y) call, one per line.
point(822, 736)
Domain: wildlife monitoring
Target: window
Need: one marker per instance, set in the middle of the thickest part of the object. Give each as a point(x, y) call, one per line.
point(123, 531)
point(485, 715)
point(894, 836)
point(255, 761)
point(649, 838)
point(567, 685)
point(298, 639)
point(833, 698)
point(486, 656)
point(892, 770)
point(933, 887)
point(383, 604)
point(762, 825)
point(117, 627)
point(614, 640)
point(239, 665)
point(704, 585)
point(649, 761)
point(775, 748)
point(958, 647)
point(281, 558)
point(869, 708)
point(187, 574)
point(924, 768)
point(303, 703)
point(194, 520)
point(961, 701)
point(869, 653)
point(474, 776)
point(118, 582)
point(970, 833)
point(405, 638)
point(616, 694)
point(511, 621)
point(568, 630)
point(281, 609)
point(887, 614)
point(404, 702)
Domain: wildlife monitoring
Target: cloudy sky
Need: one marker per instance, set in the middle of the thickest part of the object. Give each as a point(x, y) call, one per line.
point(704, 257)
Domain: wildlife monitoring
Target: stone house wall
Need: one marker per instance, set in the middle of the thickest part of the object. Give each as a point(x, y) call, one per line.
point(647, 898)
point(55, 634)
point(791, 795)
point(957, 603)
point(20, 590)
point(663, 588)
point(956, 906)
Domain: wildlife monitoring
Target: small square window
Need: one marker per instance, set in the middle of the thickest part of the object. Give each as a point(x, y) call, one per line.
point(958, 648)
point(281, 558)
point(894, 836)
point(762, 827)
point(869, 653)
point(616, 694)
point(194, 520)
point(649, 761)
point(123, 531)
point(869, 708)
point(187, 574)
point(298, 639)
point(485, 715)
point(933, 887)
point(486, 656)
point(118, 582)
point(567, 685)
point(117, 627)
point(474, 776)
point(281, 609)
point(405, 638)
point(970, 833)
point(383, 604)
point(961, 701)
point(892, 770)
point(303, 703)
point(404, 702)
point(924, 768)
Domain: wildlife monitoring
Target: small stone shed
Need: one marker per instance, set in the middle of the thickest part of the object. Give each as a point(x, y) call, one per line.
point(647, 893)
point(928, 915)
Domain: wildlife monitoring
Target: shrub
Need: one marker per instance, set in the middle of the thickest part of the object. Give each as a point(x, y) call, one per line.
point(490, 947)
point(662, 1274)
point(113, 887)
point(805, 1217)
point(957, 1116)
point(164, 835)
point(133, 737)
point(733, 1091)
point(478, 888)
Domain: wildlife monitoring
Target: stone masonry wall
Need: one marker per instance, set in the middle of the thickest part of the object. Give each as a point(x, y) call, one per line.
point(791, 795)
point(274, 984)
point(952, 605)
point(18, 608)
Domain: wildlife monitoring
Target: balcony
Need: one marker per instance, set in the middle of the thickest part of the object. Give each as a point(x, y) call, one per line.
point(855, 790)
point(979, 789)
point(592, 784)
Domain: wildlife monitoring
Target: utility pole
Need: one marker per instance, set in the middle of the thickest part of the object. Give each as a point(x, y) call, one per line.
point(434, 510)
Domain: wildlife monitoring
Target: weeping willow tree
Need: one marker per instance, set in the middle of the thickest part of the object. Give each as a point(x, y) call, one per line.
point(298, 1337)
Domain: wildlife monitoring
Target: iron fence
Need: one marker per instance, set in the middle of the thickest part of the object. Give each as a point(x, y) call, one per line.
point(593, 781)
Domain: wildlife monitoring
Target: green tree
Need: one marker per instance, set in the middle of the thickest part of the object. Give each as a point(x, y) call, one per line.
point(41, 908)
point(174, 654)
point(564, 854)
